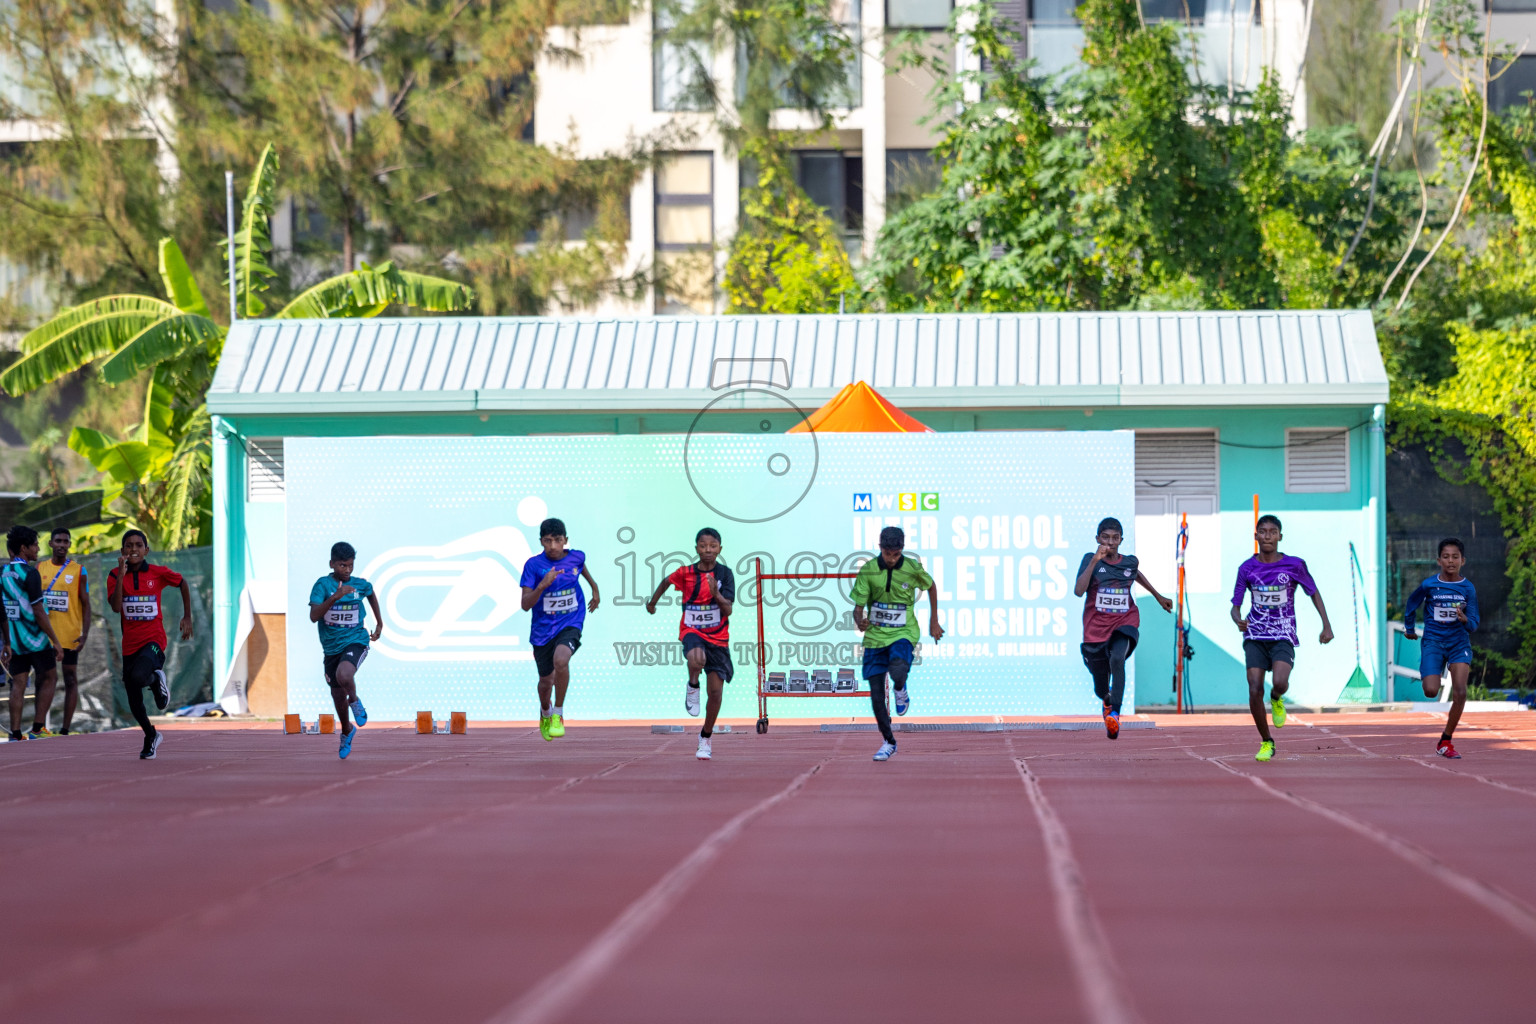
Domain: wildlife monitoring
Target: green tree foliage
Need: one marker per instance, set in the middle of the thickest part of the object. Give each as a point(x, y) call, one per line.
point(787, 256)
point(1350, 65)
point(158, 477)
point(1129, 185)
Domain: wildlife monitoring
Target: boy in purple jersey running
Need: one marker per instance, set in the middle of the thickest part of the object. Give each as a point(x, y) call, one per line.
point(1269, 632)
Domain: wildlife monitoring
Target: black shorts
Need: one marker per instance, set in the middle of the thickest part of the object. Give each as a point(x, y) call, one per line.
point(544, 654)
point(355, 653)
point(1263, 654)
point(1094, 652)
point(139, 668)
point(39, 662)
point(71, 657)
point(716, 659)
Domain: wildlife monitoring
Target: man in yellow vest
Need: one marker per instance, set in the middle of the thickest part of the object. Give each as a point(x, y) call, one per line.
point(68, 601)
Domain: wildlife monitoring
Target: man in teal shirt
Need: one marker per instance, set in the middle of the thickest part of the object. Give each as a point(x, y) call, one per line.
point(884, 596)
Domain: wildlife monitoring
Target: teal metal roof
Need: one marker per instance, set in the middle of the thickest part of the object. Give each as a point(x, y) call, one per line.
point(1018, 360)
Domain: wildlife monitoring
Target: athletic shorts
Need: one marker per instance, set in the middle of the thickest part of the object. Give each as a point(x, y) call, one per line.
point(71, 657)
point(1434, 657)
point(41, 662)
point(1263, 654)
point(1095, 652)
point(139, 668)
point(716, 659)
point(354, 653)
point(544, 654)
point(877, 660)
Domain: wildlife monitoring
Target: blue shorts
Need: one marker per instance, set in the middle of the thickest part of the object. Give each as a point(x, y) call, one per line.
point(877, 660)
point(1434, 657)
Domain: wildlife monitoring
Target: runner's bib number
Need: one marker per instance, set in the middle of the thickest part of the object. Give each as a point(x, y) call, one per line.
point(141, 607)
point(701, 616)
point(1446, 612)
point(56, 601)
point(12, 610)
point(892, 616)
point(347, 615)
point(1269, 597)
point(1114, 602)
point(560, 604)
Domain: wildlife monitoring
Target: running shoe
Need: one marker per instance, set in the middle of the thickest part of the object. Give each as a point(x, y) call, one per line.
point(162, 690)
point(1277, 712)
point(1446, 750)
point(346, 743)
point(17, 737)
point(151, 744)
point(691, 701)
point(703, 753)
point(885, 752)
point(544, 726)
point(1266, 751)
point(903, 701)
point(41, 734)
point(556, 727)
point(359, 713)
point(1111, 722)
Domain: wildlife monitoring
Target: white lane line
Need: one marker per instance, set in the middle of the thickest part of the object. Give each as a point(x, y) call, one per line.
point(1426, 763)
point(1098, 977)
point(560, 991)
point(1508, 908)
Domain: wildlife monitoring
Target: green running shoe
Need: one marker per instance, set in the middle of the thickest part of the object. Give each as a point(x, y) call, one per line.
point(1277, 713)
point(556, 727)
point(1266, 751)
point(544, 723)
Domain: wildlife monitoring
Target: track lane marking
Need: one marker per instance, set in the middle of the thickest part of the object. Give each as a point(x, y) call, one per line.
point(1099, 980)
point(559, 991)
point(1505, 906)
point(1426, 763)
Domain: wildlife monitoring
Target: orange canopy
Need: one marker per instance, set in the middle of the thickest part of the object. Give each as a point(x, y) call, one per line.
point(859, 408)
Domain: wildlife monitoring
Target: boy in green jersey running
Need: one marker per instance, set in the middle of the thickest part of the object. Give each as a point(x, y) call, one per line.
point(884, 595)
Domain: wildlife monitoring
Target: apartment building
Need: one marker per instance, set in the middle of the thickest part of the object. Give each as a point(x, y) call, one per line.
point(627, 84)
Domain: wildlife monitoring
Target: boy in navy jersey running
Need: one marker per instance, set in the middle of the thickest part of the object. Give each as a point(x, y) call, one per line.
point(552, 591)
point(1450, 616)
point(1111, 620)
point(708, 590)
point(336, 604)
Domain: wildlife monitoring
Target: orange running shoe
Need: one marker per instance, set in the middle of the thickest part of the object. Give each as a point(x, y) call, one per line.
point(1111, 722)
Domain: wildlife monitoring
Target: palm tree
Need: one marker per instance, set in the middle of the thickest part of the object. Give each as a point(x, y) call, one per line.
point(158, 477)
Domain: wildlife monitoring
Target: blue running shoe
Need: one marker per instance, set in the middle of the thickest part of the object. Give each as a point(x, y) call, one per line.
point(346, 743)
point(359, 713)
point(903, 701)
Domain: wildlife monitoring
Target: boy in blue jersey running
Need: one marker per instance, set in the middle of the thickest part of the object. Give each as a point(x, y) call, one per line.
point(1450, 616)
point(552, 591)
point(336, 603)
point(29, 647)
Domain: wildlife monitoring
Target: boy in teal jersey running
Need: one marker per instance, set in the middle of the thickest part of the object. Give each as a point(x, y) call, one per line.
point(336, 603)
point(29, 646)
point(884, 596)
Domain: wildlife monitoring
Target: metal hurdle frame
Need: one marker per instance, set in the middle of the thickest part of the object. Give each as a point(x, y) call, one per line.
point(762, 643)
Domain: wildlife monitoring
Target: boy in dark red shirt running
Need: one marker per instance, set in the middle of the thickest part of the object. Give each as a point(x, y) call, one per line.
point(1111, 621)
point(134, 590)
point(708, 590)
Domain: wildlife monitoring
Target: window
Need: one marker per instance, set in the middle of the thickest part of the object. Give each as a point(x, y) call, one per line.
point(680, 71)
point(1176, 472)
point(835, 182)
point(1511, 6)
point(685, 233)
point(1515, 77)
point(264, 470)
point(1317, 460)
point(1063, 12)
point(910, 174)
point(929, 14)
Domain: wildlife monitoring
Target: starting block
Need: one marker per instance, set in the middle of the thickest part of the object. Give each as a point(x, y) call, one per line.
point(291, 725)
point(458, 721)
point(327, 725)
point(456, 724)
point(423, 723)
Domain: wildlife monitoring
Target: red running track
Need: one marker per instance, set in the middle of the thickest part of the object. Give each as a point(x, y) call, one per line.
point(609, 877)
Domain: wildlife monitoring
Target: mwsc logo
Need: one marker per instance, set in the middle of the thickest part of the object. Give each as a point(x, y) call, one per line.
point(902, 501)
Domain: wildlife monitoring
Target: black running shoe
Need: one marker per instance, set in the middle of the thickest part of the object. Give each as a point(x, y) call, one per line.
point(151, 744)
point(162, 690)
